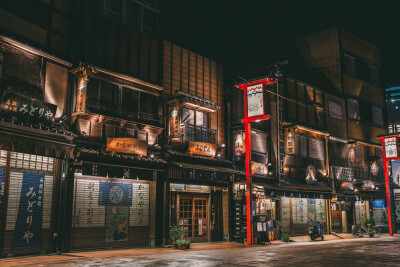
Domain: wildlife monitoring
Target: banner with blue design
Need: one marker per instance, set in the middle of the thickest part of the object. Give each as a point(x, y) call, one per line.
point(115, 194)
point(28, 227)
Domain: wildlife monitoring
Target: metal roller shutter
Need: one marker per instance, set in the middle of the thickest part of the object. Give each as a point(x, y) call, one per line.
point(29, 207)
point(110, 212)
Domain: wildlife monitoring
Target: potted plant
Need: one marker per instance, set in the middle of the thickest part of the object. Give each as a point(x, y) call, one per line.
point(176, 233)
point(285, 236)
point(182, 244)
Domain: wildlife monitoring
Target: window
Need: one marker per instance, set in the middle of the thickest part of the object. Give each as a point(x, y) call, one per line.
point(113, 10)
point(353, 109)
point(361, 69)
point(335, 110)
point(365, 112)
point(191, 117)
point(109, 93)
point(377, 117)
point(131, 14)
point(188, 116)
point(373, 74)
point(148, 103)
point(130, 100)
point(148, 22)
point(349, 64)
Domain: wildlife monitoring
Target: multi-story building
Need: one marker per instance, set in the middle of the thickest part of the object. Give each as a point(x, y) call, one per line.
point(117, 113)
point(199, 176)
point(36, 144)
point(350, 67)
point(318, 156)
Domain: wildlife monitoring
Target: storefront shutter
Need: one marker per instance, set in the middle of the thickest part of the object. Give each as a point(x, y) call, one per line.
point(110, 212)
point(29, 204)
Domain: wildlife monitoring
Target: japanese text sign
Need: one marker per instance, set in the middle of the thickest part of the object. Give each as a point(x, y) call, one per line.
point(127, 145)
point(390, 145)
point(27, 109)
point(28, 227)
point(202, 149)
point(255, 100)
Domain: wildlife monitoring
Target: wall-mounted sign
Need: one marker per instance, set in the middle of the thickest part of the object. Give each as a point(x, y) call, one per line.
point(368, 185)
point(127, 145)
point(259, 168)
point(311, 174)
point(374, 168)
point(81, 94)
point(239, 144)
point(391, 150)
point(347, 185)
point(255, 100)
point(290, 149)
point(174, 120)
point(202, 149)
point(352, 154)
point(27, 109)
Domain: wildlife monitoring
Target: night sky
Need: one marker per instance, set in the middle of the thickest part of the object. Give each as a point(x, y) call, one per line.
point(248, 36)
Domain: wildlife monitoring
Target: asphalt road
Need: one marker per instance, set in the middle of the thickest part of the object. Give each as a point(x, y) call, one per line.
point(383, 251)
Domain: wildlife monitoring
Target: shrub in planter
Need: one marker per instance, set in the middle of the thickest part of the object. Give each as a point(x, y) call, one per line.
point(182, 244)
point(370, 221)
point(176, 233)
point(286, 237)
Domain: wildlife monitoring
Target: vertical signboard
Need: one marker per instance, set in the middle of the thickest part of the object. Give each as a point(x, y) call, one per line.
point(255, 100)
point(390, 144)
point(28, 227)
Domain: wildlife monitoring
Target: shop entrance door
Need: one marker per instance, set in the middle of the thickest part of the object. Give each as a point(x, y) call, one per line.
point(193, 215)
point(337, 221)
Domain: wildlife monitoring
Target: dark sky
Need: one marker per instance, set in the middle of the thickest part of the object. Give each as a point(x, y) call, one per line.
point(249, 35)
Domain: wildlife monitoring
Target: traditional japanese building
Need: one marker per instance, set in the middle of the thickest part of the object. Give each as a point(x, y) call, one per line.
point(36, 148)
point(350, 67)
point(36, 144)
point(117, 115)
point(198, 179)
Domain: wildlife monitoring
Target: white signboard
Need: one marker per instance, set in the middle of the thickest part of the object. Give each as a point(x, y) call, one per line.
point(391, 147)
point(255, 100)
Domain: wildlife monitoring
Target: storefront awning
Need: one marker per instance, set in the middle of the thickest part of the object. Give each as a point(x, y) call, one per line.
point(205, 167)
point(184, 172)
point(29, 140)
point(297, 193)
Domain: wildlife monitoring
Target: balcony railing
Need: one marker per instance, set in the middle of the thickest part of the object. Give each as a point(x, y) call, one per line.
point(198, 133)
point(120, 112)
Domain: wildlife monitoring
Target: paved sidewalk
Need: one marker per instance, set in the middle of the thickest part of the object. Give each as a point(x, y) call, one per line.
point(86, 255)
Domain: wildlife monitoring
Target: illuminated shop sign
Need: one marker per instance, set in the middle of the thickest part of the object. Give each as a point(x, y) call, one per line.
point(127, 145)
point(290, 149)
point(259, 168)
point(202, 149)
point(352, 154)
point(239, 144)
point(27, 109)
point(255, 100)
point(347, 185)
point(174, 120)
point(391, 150)
point(368, 185)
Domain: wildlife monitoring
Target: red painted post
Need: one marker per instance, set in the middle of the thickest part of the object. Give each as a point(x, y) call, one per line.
point(388, 203)
point(249, 184)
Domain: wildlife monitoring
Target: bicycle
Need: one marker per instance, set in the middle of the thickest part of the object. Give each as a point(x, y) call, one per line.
point(372, 231)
